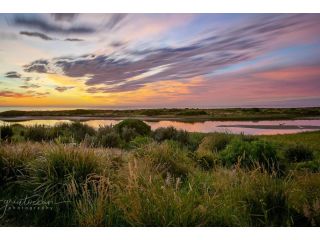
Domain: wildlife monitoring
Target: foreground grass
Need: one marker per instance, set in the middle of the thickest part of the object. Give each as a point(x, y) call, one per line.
point(160, 178)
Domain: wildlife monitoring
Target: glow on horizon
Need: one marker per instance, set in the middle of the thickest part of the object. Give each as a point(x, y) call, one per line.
point(159, 60)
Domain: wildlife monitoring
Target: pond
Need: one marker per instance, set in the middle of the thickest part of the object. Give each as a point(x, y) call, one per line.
point(246, 127)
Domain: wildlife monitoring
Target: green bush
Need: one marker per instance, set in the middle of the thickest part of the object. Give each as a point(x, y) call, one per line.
point(171, 133)
point(60, 165)
point(110, 140)
point(39, 133)
point(75, 131)
point(298, 153)
point(304, 198)
point(14, 160)
point(139, 142)
point(251, 154)
point(215, 142)
point(6, 132)
point(127, 134)
point(205, 159)
point(103, 130)
point(138, 126)
point(167, 158)
point(311, 166)
point(107, 137)
point(269, 207)
point(247, 138)
point(194, 140)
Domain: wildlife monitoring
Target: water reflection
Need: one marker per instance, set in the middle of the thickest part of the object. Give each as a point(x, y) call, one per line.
point(247, 127)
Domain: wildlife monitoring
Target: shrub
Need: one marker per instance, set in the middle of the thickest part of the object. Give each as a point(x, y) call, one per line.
point(251, 154)
point(60, 165)
point(127, 134)
point(311, 166)
point(6, 132)
point(167, 158)
point(108, 137)
point(102, 130)
point(138, 126)
point(111, 140)
point(269, 206)
point(247, 138)
point(175, 207)
point(298, 153)
point(304, 198)
point(171, 133)
point(91, 208)
point(39, 133)
point(205, 159)
point(14, 160)
point(75, 131)
point(139, 142)
point(215, 142)
point(194, 140)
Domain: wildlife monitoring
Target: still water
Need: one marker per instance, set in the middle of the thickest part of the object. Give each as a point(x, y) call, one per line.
point(246, 127)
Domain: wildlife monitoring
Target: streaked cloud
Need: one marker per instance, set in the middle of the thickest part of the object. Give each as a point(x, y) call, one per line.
point(36, 34)
point(68, 17)
point(48, 27)
point(115, 20)
point(73, 39)
point(12, 74)
point(30, 86)
point(186, 59)
point(63, 89)
point(27, 94)
point(199, 58)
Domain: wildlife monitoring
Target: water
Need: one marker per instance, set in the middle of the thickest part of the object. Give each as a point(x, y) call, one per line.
point(246, 127)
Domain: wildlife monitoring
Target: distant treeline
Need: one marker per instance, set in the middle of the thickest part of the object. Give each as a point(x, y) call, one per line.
point(214, 114)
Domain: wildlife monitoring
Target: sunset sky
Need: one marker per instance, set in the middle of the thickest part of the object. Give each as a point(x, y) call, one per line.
point(159, 60)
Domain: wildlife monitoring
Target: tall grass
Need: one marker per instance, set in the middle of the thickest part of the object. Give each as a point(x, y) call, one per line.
point(221, 182)
point(6, 133)
point(166, 158)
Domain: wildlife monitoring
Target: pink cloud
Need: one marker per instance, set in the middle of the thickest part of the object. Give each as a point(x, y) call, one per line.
point(271, 85)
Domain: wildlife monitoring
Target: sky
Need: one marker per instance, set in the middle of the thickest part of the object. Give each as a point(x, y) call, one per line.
point(159, 60)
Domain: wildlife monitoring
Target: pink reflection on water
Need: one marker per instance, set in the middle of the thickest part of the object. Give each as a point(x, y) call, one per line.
point(213, 126)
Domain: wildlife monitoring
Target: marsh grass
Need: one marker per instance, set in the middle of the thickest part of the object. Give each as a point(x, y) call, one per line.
point(146, 182)
point(250, 154)
point(298, 153)
point(215, 142)
point(170, 133)
point(14, 165)
point(61, 164)
point(93, 202)
point(167, 158)
point(6, 132)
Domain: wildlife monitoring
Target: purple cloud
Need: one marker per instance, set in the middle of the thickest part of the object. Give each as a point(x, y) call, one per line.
point(36, 34)
point(46, 26)
point(12, 74)
point(212, 52)
point(63, 89)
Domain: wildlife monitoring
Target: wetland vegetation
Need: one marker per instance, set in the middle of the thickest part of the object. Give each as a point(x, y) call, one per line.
point(130, 175)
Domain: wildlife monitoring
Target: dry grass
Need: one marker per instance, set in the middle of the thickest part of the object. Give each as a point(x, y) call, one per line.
point(155, 184)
